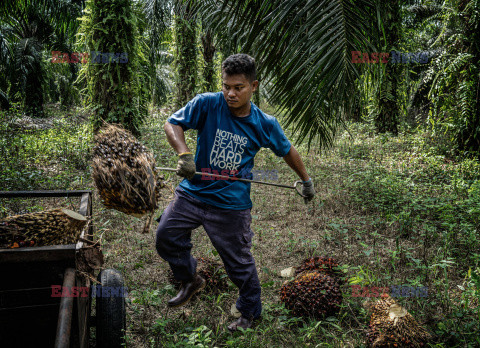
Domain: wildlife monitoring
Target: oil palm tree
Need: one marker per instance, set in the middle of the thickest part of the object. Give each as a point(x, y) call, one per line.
point(27, 28)
point(387, 118)
point(448, 90)
point(303, 50)
point(155, 29)
point(116, 93)
point(5, 68)
point(455, 88)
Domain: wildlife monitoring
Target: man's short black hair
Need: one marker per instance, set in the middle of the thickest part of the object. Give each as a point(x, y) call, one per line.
point(240, 63)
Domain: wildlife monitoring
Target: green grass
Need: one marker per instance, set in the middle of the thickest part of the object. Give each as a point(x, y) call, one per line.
point(392, 210)
point(50, 158)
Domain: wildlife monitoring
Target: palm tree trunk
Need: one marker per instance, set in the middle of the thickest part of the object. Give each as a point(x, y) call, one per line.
point(114, 88)
point(186, 37)
point(34, 91)
point(209, 66)
point(469, 137)
point(388, 116)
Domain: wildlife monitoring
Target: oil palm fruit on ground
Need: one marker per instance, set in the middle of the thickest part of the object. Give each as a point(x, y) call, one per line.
point(213, 273)
point(323, 264)
point(392, 326)
point(124, 172)
point(312, 293)
point(48, 227)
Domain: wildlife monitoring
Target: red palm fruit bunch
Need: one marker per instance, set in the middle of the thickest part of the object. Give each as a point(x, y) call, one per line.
point(312, 294)
point(326, 265)
point(392, 326)
point(210, 270)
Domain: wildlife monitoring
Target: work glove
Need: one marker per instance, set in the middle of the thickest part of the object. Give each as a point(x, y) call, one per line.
point(307, 190)
point(186, 165)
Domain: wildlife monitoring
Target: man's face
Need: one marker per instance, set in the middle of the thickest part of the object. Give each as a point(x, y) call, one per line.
point(238, 90)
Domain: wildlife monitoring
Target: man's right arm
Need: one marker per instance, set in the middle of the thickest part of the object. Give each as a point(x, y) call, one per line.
point(176, 137)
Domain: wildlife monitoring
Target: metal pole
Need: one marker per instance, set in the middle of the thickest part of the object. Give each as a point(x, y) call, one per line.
point(65, 312)
point(230, 178)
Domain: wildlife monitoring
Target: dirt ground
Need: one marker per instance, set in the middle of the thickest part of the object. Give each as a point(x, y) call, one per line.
point(286, 232)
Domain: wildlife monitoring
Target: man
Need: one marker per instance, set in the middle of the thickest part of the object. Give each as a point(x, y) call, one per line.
point(231, 130)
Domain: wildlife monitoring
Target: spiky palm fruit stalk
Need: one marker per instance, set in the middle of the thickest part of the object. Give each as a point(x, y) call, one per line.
point(324, 264)
point(48, 227)
point(210, 270)
point(392, 326)
point(312, 294)
point(124, 172)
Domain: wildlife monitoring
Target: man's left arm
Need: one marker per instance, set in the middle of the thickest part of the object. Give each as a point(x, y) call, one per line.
point(279, 144)
point(293, 159)
point(295, 162)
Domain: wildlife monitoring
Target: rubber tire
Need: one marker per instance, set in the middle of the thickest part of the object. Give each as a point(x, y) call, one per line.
point(111, 312)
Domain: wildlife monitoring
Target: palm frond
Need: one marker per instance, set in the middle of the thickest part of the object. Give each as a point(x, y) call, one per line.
point(303, 50)
point(28, 28)
point(423, 12)
point(4, 101)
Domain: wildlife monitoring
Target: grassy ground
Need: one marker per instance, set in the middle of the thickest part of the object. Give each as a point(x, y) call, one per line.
point(392, 211)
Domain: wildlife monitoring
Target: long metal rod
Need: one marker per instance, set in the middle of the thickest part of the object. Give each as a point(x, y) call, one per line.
point(229, 178)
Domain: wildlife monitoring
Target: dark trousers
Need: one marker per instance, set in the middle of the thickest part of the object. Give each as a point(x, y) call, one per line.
point(230, 233)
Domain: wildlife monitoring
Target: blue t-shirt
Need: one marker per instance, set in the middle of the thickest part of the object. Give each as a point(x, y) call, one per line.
point(226, 143)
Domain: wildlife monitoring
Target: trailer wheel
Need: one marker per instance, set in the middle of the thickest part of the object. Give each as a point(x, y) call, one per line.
point(110, 309)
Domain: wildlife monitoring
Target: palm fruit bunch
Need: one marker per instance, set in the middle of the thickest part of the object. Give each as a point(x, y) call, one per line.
point(48, 227)
point(326, 265)
point(312, 293)
point(210, 270)
point(124, 172)
point(392, 326)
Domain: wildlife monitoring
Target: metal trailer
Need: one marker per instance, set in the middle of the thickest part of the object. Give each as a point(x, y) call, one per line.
point(31, 317)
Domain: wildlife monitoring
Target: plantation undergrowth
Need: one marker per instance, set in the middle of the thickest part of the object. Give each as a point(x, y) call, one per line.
point(392, 210)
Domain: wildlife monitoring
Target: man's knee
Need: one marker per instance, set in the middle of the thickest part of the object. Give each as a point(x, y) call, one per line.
point(241, 273)
point(162, 240)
